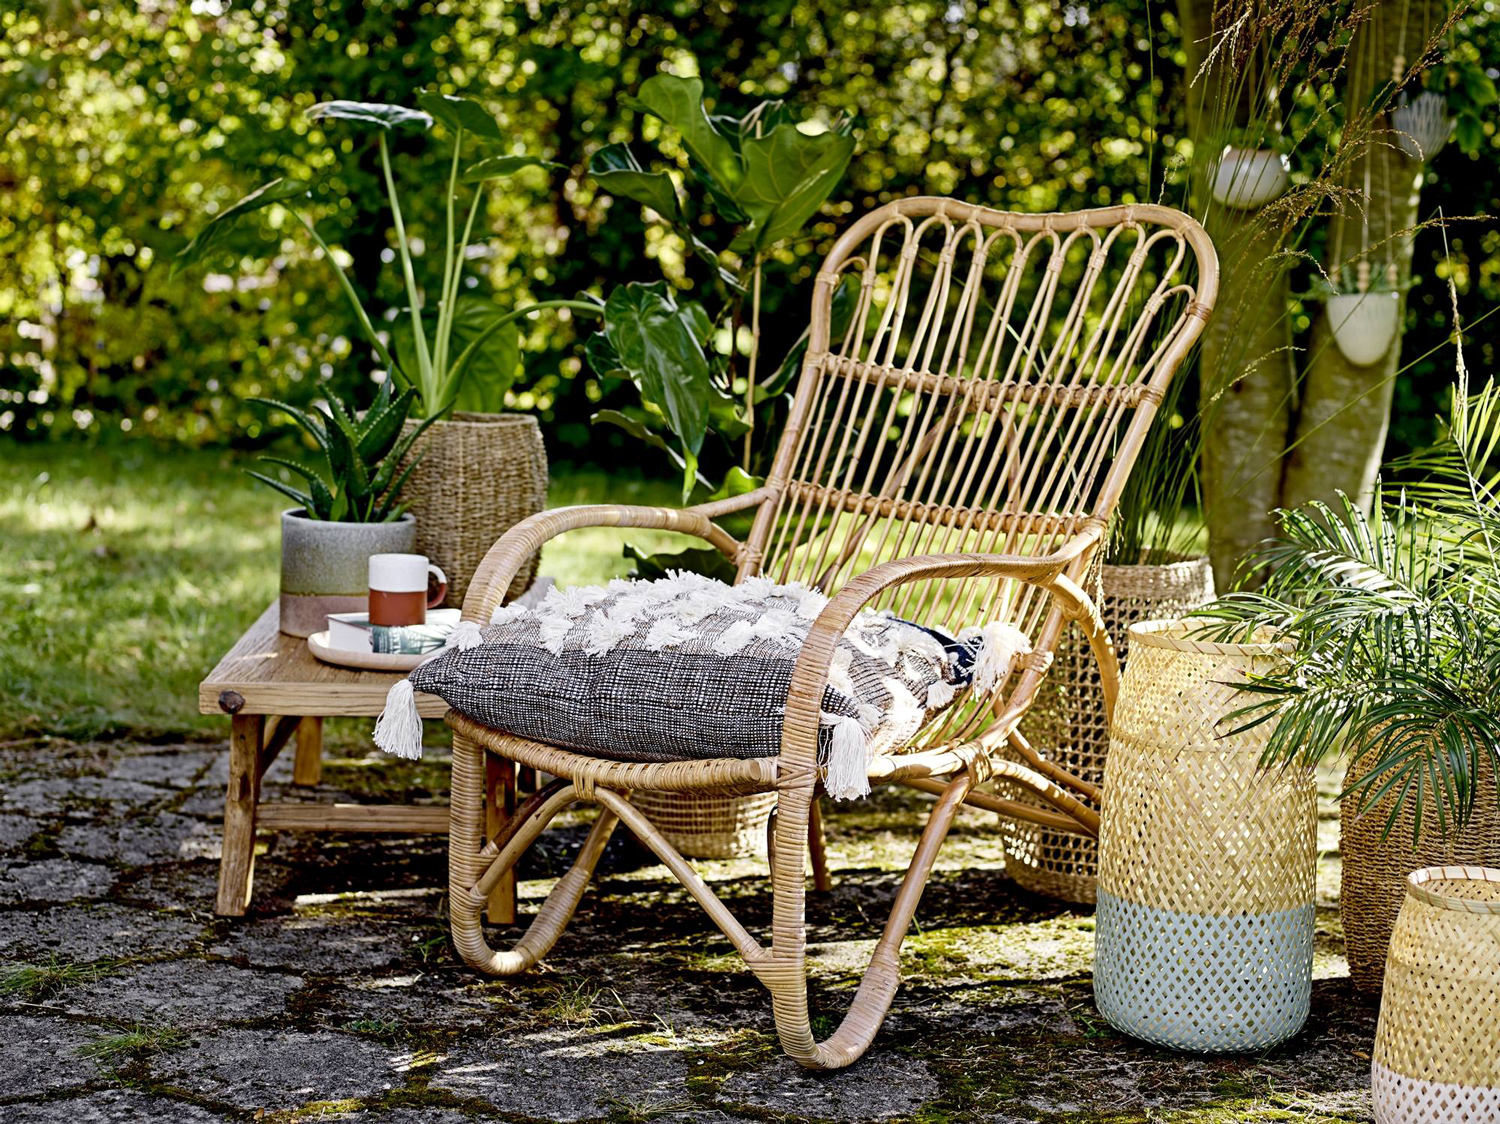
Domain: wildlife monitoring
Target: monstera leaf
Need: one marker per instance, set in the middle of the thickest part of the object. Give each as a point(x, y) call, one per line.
point(788, 176)
point(217, 228)
point(492, 369)
point(376, 113)
point(679, 102)
point(460, 113)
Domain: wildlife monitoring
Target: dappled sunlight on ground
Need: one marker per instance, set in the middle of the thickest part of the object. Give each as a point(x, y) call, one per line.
point(339, 997)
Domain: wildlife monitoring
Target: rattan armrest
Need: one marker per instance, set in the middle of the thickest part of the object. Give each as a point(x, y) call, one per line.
point(799, 738)
point(512, 549)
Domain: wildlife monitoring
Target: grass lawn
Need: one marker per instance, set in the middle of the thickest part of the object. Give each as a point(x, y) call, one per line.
point(126, 571)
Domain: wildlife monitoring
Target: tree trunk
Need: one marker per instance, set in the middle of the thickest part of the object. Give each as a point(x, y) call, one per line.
point(1269, 442)
point(1246, 370)
point(1248, 380)
point(1346, 409)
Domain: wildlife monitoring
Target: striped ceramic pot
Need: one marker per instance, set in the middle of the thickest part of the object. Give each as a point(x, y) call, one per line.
point(1437, 1047)
point(1204, 926)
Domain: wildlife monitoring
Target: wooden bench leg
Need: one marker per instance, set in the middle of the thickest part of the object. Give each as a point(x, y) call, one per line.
point(307, 767)
point(499, 806)
point(237, 863)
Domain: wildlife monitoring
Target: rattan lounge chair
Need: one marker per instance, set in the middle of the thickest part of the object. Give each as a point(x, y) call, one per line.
point(954, 451)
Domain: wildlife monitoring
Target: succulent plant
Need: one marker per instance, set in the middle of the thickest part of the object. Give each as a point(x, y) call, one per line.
point(357, 481)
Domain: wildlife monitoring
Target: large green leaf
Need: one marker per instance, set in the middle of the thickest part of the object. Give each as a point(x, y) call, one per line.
point(460, 113)
point(494, 167)
point(212, 235)
point(639, 430)
point(679, 102)
point(617, 171)
point(737, 482)
point(659, 344)
point(491, 370)
point(376, 113)
point(788, 175)
point(705, 560)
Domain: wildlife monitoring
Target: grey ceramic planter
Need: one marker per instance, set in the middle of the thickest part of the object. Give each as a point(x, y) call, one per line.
point(325, 567)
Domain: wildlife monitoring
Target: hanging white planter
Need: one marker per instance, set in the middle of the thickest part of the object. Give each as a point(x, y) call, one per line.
point(1422, 125)
point(1364, 324)
point(1249, 178)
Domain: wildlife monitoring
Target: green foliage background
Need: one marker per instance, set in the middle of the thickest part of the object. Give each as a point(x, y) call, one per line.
point(121, 125)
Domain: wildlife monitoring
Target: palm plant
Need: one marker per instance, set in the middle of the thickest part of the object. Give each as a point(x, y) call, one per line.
point(1396, 620)
point(360, 477)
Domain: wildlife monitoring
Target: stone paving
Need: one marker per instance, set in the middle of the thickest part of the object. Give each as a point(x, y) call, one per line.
point(122, 997)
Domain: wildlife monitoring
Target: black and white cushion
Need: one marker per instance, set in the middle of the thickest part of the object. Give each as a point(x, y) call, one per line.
point(686, 667)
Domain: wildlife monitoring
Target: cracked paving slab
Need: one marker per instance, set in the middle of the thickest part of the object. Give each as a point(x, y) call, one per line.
point(94, 932)
point(340, 997)
point(281, 1069)
point(185, 992)
point(40, 1055)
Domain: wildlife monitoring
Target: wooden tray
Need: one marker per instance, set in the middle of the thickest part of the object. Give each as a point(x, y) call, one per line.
point(317, 644)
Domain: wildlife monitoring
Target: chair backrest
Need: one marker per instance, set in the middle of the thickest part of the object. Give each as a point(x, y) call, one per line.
point(977, 380)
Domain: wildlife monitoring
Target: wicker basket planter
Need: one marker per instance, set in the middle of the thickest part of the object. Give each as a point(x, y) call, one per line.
point(1376, 865)
point(1204, 931)
point(709, 825)
point(1067, 722)
point(480, 475)
point(1437, 1047)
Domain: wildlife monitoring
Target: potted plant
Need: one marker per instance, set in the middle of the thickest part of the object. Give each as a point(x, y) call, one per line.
point(1253, 169)
point(347, 505)
point(760, 178)
point(481, 469)
point(1363, 316)
point(1396, 623)
point(1424, 123)
point(1151, 567)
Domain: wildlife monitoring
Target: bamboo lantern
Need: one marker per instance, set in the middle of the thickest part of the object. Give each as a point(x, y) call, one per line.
point(1437, 1046)
point(1204, 928)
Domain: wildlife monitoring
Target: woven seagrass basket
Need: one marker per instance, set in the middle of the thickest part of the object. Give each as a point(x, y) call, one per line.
point(1067, 722)
point(480, 475)
point(1204, 930)
point(708, 825)
point(1437, 1047)
point(1376, 865)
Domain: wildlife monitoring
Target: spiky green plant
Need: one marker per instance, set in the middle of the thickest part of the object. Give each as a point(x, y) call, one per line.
point(360, 477)
point(1396, 619)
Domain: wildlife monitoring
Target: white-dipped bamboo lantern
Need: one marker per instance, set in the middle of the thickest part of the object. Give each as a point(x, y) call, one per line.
point(1437, 1048)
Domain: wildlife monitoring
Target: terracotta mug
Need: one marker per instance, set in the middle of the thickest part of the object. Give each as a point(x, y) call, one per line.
point(399, 588)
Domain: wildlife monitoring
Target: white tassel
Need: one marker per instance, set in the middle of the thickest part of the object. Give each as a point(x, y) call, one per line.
point(399, 730)
point(1001, 645)
point(465, 635)
point(940, 694)
point(847, 776)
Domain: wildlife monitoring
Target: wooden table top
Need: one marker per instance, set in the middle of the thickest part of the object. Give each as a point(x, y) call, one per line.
point(275, 674)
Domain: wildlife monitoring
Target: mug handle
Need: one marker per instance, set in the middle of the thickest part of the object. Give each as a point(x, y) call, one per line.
point(442, 590)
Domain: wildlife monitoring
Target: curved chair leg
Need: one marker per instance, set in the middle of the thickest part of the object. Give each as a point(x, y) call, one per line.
point(473, 870)
point(785, 972)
